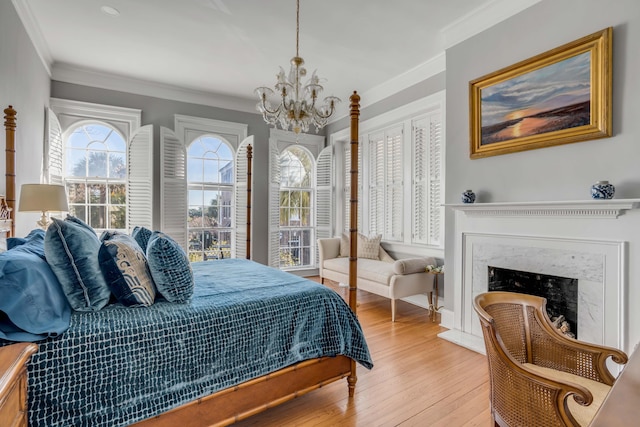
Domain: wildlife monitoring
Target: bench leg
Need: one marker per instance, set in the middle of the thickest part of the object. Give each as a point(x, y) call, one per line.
point(393, 310)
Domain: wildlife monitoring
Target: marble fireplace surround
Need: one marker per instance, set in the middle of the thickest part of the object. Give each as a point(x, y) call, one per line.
point(535, 237)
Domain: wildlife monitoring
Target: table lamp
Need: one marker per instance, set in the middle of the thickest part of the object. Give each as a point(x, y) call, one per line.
point(43, 198)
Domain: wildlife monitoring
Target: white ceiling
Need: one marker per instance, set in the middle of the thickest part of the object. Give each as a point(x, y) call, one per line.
point(227, 48)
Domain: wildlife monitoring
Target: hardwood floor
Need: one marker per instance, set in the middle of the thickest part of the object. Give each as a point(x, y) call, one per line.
point(418, 379)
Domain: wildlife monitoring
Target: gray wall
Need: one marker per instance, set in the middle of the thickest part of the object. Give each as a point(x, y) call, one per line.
point(24, 83)
point(423, 89)
point(160, 112)
point(563, 172)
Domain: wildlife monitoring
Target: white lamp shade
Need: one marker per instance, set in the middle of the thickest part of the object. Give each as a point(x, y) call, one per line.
point(43, 198)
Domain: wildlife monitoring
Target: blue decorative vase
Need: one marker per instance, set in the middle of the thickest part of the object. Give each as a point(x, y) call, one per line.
point(602, 190)
point(468, 196)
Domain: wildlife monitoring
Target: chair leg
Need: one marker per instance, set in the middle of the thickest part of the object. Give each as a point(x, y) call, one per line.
point(393, 310)
point(322, 280)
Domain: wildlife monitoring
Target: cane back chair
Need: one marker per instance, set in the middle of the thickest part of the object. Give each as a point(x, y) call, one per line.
point(538, 376)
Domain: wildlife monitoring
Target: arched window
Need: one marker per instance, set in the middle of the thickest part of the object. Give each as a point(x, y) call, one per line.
point(210, 178)
point(95, 173)
point(296, 196)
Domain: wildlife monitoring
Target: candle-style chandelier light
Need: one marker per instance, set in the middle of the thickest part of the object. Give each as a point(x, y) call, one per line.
point(296, 109)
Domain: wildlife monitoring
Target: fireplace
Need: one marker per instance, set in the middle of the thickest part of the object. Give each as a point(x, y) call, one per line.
point(584, 241)
point(561, 293)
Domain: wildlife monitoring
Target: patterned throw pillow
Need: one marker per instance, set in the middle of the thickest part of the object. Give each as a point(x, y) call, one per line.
point(170, 268)
point(125, 269)
point(142, 236)
point(71, 248)
point(369, 247)
point(344, 244)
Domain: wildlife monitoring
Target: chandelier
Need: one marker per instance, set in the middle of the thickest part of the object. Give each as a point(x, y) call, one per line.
point(296, 106)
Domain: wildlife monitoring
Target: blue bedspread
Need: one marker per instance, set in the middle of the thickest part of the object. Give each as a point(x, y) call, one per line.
point(121, 365)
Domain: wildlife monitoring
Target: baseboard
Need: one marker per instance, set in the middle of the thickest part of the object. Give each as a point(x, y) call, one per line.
point(419, 300)
point(463, 339)
point(446, 318)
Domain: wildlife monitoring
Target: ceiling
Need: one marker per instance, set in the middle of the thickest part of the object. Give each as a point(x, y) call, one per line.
point(227, 48)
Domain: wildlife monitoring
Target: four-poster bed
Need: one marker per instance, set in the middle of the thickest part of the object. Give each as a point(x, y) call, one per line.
point(248, 397)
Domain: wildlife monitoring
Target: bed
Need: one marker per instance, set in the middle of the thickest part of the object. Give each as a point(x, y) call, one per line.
point(214, 361)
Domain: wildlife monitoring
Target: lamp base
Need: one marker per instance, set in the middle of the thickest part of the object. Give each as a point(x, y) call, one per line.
point(44, 221)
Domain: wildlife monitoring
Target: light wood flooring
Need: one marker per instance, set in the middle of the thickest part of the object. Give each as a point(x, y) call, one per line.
point(418, 379)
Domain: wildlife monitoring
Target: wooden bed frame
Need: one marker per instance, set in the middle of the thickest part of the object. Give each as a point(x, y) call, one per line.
point(244, 400)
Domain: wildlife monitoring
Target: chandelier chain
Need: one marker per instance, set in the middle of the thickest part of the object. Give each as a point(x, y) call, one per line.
point(297, 27)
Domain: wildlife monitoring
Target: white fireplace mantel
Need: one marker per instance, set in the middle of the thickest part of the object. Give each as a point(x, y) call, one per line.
point(575, 238)
point(611, 208)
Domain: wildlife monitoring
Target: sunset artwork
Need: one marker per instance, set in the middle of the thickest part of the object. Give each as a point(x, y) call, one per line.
point(548, 99)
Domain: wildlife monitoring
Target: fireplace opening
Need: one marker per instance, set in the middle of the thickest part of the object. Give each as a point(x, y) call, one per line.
point(561, 292)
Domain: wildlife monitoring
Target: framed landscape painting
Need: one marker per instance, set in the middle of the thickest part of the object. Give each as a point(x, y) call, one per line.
point(557, 97)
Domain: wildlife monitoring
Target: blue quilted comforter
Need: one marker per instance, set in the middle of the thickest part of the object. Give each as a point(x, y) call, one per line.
point(121, 365)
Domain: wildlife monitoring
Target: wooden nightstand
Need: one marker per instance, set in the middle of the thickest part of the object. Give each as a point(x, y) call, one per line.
point(13, 383)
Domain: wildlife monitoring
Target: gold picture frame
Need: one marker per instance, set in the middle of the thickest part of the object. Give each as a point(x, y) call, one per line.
point(557, 97)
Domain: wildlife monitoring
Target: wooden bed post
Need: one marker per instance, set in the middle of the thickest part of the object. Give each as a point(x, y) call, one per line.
point(249, 158)
point(10, 171)
point(353, 224)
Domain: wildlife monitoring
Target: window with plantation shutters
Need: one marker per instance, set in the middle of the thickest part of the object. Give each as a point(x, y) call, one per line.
point(400, 175)
point(205, 166)
point(104, 158)
point(300, 198)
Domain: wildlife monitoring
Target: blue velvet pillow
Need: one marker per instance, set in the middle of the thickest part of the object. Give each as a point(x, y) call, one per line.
point(170, 268)
point(125, 269)
point(31, 298)
point(33, 243)
point(142, 236)
point(72, 247)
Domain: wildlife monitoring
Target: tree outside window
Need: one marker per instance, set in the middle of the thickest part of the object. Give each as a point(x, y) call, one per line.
point(95, 176)
point(210, 176)
point(296, 227)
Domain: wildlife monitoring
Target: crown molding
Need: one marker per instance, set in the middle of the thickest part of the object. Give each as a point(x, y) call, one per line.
point(33, 31)
point(88, 77)
point(415, 75)
point(480, 19)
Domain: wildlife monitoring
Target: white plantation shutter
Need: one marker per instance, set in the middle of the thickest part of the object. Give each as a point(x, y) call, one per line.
point(54, 150)
point(274, 205)
point(376, 184)
point(324, 195)
point(173, 192)
point(435, 180)
point(427, 169)
point(240, 218)
point(393, 184)
point(140, 178)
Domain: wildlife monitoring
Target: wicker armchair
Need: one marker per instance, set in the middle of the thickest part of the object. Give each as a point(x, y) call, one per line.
point(539, 377)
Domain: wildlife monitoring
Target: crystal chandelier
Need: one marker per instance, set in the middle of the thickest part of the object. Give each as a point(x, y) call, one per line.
point(297, 107)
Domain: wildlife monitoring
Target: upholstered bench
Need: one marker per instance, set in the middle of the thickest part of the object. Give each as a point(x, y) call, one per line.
point(382, 275)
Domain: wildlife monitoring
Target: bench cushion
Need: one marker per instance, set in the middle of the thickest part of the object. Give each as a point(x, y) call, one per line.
point(374, 270)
